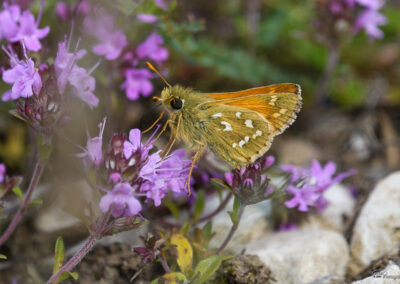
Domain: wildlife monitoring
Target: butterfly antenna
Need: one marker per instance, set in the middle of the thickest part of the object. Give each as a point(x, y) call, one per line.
point(158, 73)
point(155, 122)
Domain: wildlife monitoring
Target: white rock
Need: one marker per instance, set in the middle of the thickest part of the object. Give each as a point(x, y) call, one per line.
point(341, 206)
point(376, 231)
point(253, 224)
point(390, 275)
point(303, 256)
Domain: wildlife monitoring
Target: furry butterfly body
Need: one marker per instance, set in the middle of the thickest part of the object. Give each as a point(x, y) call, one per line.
point(237, 126)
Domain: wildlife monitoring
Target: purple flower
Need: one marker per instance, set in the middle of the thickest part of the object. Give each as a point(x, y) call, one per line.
point(93, 152)
point(369, 20)
point(163, 4)
point(29, 32)
point(371, 4)
point(112, 40)
point(159, 176)
point(121, 200)
point(134, 144)
point(62, 10)
point(23, 76)
point(9, 18)
point(285, 227)
point(67, 71)
point(307, 185)
point(147, 18)
point(2, 173)
point(137, 81)
point(151, 48)
point(250, 184)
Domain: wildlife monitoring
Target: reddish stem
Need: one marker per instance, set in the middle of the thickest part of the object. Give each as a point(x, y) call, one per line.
point(96, 234)
point(37, 172)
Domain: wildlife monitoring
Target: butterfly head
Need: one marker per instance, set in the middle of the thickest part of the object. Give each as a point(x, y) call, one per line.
point(173, 98)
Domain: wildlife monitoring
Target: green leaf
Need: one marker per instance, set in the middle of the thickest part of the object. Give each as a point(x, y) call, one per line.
point(35, 201)
point(66, 275)
point(171, 278)
point(2, 256)
point(18, 192)
point(184, 252)
point(206, 268)
point(199, 205)
point(59, 254)
point(234, 214)
point(207, 230)
point(173, 208)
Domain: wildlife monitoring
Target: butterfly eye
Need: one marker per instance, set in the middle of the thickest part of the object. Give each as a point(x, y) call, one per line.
point(176, 103)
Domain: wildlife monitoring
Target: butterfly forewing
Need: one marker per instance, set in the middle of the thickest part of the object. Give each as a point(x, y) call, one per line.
point(239, 136)
point(278, 104)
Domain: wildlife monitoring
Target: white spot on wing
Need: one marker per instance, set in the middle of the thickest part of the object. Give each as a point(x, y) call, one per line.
point(241, 143)
point(218, 114)
point(258, 133)
point(247, 138)
point(238, 114)
point(249, 123)
point(228, 127)
point(234, 145)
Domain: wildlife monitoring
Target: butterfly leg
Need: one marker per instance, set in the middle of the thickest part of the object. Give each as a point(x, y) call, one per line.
point(172, 140)
point(195, 158)
point(155, 122)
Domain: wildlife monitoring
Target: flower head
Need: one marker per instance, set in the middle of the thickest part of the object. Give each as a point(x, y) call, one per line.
point(23, 76)
point(307, 185)
point(151, 48)
point(67, 71)
point(370, 20)
point(121, 200)
point(250, 184)
point(9, 18)
point(137, 81)
point(111, 40)
point(16, 26)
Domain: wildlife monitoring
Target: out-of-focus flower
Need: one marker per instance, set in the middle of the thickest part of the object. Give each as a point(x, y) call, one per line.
point(111, 40)
point(307, 185)
point(29, 32)
point(370, 20)
point(23, 76)
point(121, 200)
point(285, 227)
point(9, 18)
point(151, 48)
point(68, 71)
point(250, 184)
point(137, 81)
point(16, 27)
point(371, 4)
point(93, 152)
point(163, 4)
point(147, 18)
point(64, 11)
point(2, 173)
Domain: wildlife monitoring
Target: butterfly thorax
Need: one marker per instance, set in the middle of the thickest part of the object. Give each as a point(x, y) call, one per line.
point(182, 105)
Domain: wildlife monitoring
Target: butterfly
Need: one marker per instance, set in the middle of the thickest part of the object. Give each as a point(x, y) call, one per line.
point(239, 127)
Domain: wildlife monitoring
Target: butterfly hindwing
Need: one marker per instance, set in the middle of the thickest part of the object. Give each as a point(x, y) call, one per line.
point(239, 136)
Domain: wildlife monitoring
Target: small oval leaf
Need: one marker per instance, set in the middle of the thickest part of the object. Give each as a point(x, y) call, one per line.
point(184, 252)
point(206, 268)
point(58, 255)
